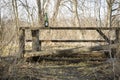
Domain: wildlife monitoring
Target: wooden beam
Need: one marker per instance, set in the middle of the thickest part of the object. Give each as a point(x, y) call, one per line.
point(76, 52)
point(68, 41)
point(103, 35)
point(104, 47)
point(70, 60)
point(21, 42)
point(71, 28)
point(117, 41)
point(117, 35)
point(36, 45)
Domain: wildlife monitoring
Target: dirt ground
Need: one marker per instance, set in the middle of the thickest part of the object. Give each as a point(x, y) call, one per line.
point(57, 70)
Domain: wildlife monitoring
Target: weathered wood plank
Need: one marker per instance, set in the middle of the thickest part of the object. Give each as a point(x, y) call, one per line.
point(72, 28)
point(66, 53)
point(71, 52)
point(117, 34)
point(69, 40)
point(38, 53)
point(117, 41)
point(104, 47)
point(36, 45)
point(103, 35)
point(73, 60)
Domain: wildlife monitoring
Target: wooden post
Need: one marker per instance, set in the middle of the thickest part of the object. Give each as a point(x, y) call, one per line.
point(117, 40)
point(36, 45)
point(117, 35)
point(21, 42)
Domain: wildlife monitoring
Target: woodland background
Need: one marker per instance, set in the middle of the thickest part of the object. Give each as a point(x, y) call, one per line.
point(61, 13)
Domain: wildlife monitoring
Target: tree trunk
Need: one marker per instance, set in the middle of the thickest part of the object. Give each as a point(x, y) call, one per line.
point(40, 14)
point(21, 43)
point(109, 13)
point(0, 33)
point(75, 14)
point(56, 10)
point(0, 19)
point(15, 9)
point(16, 17)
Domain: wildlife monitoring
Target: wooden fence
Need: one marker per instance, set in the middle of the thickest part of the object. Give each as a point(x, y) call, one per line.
point(36, 43)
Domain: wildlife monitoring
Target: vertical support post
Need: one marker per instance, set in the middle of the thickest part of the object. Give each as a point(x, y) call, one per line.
point(21, 42)
point(114, 51)
point(117, 40)
point(117, 36)
point(36, 45)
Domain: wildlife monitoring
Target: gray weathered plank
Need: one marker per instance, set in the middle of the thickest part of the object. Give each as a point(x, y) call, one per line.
point(72, 28)
point(36, 45)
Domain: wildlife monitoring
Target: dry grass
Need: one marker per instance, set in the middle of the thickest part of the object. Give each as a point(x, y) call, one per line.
point(49, 70)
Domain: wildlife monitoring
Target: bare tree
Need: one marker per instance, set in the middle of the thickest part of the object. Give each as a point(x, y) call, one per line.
point(15, 9)
point(0, 17)
point(40, 13)
point(0, 30)
point(29, 14)
point(109, 12)
point(56, 10)
point(99, 8)
point(75, 13)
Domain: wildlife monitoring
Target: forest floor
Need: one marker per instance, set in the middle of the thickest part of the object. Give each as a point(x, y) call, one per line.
point(56, 70)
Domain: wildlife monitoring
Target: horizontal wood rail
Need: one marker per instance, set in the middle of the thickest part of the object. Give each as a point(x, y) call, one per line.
point(69, 40)
point(72, 28)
